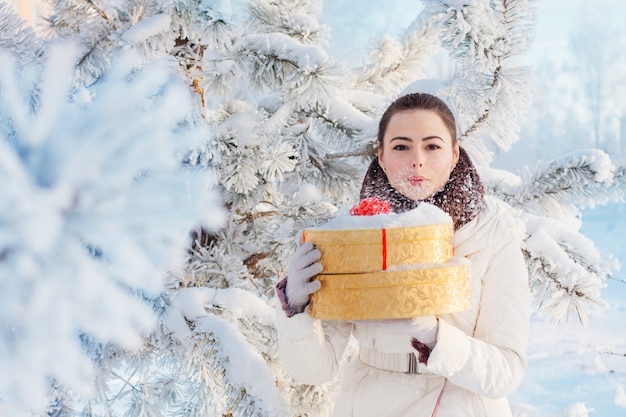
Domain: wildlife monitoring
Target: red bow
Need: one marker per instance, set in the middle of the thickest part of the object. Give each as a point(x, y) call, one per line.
point(370, 207)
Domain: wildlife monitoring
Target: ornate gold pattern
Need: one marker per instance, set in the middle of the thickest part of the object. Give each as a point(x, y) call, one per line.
point(392, 294)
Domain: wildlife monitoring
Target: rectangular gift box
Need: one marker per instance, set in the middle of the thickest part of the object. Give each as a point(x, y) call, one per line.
point(393, 294)
point(372, 250)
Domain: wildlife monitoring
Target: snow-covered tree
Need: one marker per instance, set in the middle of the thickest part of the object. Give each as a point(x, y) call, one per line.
point(288, 132)
point(95, 210)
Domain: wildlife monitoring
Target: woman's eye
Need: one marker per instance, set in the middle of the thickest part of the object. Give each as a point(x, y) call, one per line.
point(400, 148)
point(433, 146)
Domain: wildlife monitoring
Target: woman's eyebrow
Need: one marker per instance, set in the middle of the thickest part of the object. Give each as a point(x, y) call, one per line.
point(401, 138)
point(411, 140)
point(433, 137)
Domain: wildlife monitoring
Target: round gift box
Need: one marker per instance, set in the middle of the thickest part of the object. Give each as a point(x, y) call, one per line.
point(392, 294)
point(372, 250)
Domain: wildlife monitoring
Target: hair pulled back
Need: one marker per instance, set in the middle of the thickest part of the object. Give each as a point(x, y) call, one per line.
point(417, 101)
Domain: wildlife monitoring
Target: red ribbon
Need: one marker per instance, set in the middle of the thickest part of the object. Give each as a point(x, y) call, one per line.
point(384, 238)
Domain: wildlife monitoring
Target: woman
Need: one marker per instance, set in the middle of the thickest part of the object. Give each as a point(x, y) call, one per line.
point(453, 365)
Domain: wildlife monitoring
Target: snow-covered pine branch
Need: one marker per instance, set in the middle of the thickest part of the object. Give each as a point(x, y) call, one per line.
point(251, 156)
point(396, 63)
point(617, 189)
point(88, 25)
point(282, 55)
point(488, 107)
point(91, 224)
point(17, 39)
point(280, 49)
point(207, 24)
point(558, 189)
point(567, 269)
point(307, 107)
point(203, 30)
point(219, 266)
point(183, 29)
point(149, 33)
point(296, 19)
point(280, 62)
point(482, 33)
point(251, 389)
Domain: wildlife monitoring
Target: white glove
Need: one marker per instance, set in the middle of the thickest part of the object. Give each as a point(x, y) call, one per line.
point(301, 270)
point(424, 328)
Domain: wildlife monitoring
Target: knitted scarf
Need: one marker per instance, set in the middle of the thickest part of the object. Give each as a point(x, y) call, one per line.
point(462, 197)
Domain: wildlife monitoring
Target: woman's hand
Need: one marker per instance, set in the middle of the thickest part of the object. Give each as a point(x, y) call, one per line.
point(424, 328)
point(301, 271)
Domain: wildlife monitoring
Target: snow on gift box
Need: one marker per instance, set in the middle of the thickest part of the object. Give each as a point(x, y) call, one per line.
point(381, 265)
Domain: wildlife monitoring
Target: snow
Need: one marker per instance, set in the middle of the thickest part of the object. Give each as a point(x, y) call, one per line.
point(191, 303)
point(147, 27)
point(286, 47)
point(340, 110)
point(308, 193)
point(422, 215)
point(220, 9)
point(247, 368)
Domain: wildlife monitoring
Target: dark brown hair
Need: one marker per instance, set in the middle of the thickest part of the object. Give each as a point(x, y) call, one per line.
point(417, 101)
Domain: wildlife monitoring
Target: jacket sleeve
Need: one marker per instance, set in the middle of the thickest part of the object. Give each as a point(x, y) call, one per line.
point(492, 363)
point(309, 349)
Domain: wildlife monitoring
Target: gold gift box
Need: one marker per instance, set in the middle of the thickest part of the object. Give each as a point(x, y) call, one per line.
point(392, 294)
point(371, 250)
point(375, 274)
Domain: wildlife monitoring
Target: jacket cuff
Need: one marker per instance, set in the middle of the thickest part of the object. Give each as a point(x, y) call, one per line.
point(451, 352)
point(281, 294)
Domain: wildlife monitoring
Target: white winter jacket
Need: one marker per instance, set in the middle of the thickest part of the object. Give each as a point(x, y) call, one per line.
point(479, 357)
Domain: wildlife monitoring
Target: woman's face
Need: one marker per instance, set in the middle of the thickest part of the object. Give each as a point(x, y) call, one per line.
point(417, 154)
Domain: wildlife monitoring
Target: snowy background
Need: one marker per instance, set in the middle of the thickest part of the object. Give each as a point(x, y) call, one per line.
point(569, 363)
point(573, 369)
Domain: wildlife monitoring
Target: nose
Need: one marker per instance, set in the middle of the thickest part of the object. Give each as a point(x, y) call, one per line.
point(417, 160)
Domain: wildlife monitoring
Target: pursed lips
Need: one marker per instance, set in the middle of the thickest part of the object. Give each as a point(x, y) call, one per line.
point(417, 180)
